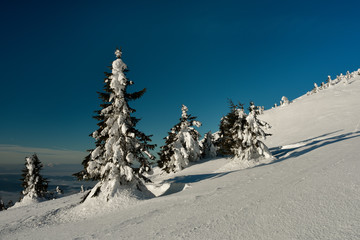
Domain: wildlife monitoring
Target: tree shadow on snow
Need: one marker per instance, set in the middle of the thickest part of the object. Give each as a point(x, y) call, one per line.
point(196, 177)
point(309, 145)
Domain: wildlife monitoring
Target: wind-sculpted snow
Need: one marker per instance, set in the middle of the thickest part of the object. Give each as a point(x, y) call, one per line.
point(310, 191)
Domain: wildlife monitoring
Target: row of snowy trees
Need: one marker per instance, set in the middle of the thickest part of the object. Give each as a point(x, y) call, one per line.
point(330, 82)
point(324, 85)
point(122, 153)
point(120, 159)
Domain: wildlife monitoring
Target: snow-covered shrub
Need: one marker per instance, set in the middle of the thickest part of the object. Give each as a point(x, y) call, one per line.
point(58, 190)
point(348, 75)
point(315, 89)
point(181, 145)
point(284, 101)
point(2, 205)
point(121, 154)
point(260, 109)
point(208, 149)
point(329, 82)
point(35, 186)
point(323, 86)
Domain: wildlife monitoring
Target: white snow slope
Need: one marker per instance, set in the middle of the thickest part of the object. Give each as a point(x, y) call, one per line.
point(310, 192)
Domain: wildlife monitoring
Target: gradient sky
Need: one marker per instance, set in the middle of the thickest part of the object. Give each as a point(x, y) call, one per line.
point(197, 53)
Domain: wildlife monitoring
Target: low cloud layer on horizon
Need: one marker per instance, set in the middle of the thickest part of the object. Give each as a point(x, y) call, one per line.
point(14, 154)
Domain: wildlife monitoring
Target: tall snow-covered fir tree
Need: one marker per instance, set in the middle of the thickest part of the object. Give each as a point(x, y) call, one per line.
point(181, 145)
point(121, 156)
point(35, 186)
point(208, 149)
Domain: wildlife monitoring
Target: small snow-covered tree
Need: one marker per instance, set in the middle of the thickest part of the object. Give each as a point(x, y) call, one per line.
point(35, 186)
point(2, 205)
point(58, 190)
point(348, 75)
point(346, 79)
point(315, 89)
point(284, 101)
point(121, 156)
point(225, 141)
point(260, 110)
point(208, 149)
point(181, 145)
point(251, 132)
point(329, 82)
point(237, 131)
point(216, 140)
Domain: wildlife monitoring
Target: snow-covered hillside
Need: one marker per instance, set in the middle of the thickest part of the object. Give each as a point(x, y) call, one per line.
point(311, 191)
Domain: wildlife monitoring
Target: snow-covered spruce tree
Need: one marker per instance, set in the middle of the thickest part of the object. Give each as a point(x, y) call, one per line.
point(181, 145)
point(121, 155)
point(226, 141)
point(246, 136)
point(329, 82)
point(58, 190)
point(236, 131)
point(2, 205)
point(284, 101)
point(315, 89)
point(208, 149)
point(35, 186)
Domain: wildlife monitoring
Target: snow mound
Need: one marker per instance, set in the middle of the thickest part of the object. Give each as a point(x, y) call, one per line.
point(26, 200)
point(237, 164)
point(93, 207)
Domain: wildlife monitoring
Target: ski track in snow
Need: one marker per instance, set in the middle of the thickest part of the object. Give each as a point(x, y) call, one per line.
point(310, 191)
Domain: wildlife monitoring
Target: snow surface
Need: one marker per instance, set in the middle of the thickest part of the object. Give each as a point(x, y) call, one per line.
point(311, 191)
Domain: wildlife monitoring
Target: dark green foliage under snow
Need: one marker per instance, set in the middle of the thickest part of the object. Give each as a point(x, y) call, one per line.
point(35, 186)
point(122, 151)
point(240, 133)
point(208, 149)
point(226, 141)
point(181, 145)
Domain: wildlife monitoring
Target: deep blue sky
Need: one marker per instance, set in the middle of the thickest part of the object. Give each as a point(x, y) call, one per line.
point(197, 53)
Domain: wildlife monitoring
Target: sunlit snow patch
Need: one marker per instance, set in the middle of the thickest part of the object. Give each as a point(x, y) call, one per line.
point(166, 188)
point(237, 164)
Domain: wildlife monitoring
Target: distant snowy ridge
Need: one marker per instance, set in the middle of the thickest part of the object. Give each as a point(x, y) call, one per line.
point(345, 79)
